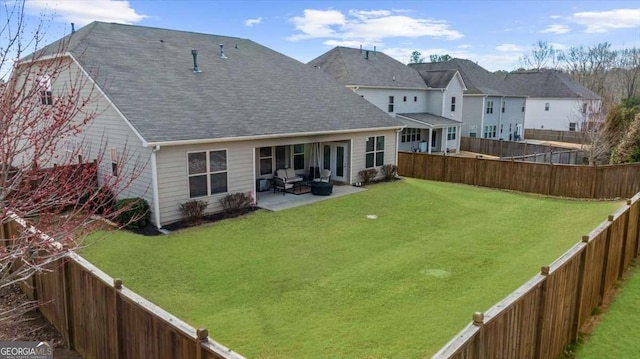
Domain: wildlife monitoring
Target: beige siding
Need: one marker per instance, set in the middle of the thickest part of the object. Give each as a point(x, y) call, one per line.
point(241, 166)
point(108, 130)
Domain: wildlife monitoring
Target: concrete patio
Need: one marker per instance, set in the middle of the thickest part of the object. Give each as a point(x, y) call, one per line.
point(277, 202)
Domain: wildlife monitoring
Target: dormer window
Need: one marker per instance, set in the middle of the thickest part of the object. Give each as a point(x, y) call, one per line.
point(453, 104)
point(44, 84)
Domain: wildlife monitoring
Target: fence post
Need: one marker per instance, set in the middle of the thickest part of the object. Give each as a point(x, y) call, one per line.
point(541, 314)
point(580, 289)
point(594, 181)
point(444, 167)
point(625, 233)
point(203, 337)
point(478, 348)
point(551, 175)
point(68, 305)
point(118, 337)
point(605, 261)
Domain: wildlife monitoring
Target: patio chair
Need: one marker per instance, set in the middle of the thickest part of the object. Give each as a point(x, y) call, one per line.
point(279, 184)
point(325, 176)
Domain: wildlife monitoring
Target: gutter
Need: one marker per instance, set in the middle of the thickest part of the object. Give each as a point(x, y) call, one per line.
point(265, 137)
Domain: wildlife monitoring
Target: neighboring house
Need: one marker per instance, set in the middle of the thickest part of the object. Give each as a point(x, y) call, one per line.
point(554, 100)
point(492, 109)
point(429, 105)
point(216, 128)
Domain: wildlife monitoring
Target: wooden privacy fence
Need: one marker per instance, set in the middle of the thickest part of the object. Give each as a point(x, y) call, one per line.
point(545, 314)
point(598, 182)
point(552, 135)
point(102, 319)
point(518, 150)
point(566, 157)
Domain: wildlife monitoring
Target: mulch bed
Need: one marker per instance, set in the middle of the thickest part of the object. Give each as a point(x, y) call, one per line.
point(29, 325)
point(151, 230)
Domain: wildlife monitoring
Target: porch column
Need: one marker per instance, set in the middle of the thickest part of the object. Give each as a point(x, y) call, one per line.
point(429, 140)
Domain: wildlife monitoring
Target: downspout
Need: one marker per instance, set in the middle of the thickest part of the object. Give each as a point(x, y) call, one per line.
point(482, 110)
point(255, 180)
point(154, 185)
point(502, 103)
point(397, 143)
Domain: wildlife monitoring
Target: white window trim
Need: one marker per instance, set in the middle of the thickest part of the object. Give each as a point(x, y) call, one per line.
point(207, 173)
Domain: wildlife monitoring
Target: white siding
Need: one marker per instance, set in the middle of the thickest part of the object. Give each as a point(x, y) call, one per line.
point(561, 113)
point(434, 102)
point(241, 166)
point(454, 89)
point(380, 98)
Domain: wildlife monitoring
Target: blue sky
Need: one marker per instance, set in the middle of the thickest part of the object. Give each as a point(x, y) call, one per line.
point(496, 34)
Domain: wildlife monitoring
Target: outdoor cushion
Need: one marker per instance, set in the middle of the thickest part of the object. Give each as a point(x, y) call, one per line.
point(289, 175)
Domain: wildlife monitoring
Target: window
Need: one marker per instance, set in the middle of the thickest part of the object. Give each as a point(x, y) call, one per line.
point(453, 103)
point(114, 162)
point(546, 106)
point(298, 157)
point(404, 99)
point(207, 173)
point(374, 151)
point(501, 127)
point(495, 128)
point(451, 133)
point(504, 105)
point(572, 126)
point(490, 131)
point(410, 135)
point(485, 133)
point(522, 108)
point(489, 106)
point(46, 98)
point(266, 161)
point(415, 98)
point(584, 108)
point(390, 103)
point(473, 131)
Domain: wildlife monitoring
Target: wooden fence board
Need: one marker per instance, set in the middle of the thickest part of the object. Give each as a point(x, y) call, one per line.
point(558, 180)
point(593, 271)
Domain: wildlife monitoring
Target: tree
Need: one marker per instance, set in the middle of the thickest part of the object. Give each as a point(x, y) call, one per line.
point(416, 58)
point(589, 119)
point(623, 125)
point(439, 58)
point(542, 56)
point(628, 65)
point(47, 186)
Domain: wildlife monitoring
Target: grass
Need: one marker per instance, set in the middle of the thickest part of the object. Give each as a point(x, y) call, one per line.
point(323, 280)
point(616, 336)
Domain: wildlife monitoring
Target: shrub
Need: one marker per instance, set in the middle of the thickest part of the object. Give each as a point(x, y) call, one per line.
point(234, 203)
point(368, 175)
point(389, 172)
point(193, 210)
point(132, 212)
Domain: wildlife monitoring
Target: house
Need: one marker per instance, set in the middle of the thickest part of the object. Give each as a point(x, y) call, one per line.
point(491, 108)
point(429, 105)
point(554, 100)
point(214, 114)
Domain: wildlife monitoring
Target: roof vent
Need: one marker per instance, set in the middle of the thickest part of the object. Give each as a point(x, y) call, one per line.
point(73, 28)
point(366, 54)
point(236, 46)
point(222, 56)
point(194, 52)
point(374, 50)
point(360, 48)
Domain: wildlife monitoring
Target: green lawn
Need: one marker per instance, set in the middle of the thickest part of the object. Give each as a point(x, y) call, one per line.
point(616, 336)
point(325, 281)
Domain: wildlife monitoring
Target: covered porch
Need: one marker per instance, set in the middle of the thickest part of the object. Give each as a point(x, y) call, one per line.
point(425, 132)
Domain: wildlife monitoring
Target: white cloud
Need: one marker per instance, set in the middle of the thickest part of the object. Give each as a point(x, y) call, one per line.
point(509, 48)
point(251, 22)
point(367, 26)
point(345, 43)
point(465, 46)
point(556, 29)
point(491, 62)
point(605, 21)
point(83, 12)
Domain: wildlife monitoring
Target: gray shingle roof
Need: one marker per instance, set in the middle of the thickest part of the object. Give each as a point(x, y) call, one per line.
point(549, 83)
point(147, 73)
point(429, 119)
point(437, 79)
point(478, 80)
point(351, 67)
